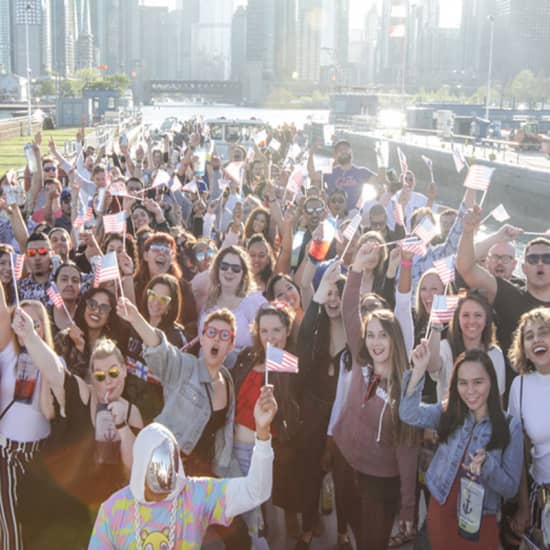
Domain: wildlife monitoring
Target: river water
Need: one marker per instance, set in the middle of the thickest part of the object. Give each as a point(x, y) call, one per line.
point(184, 111)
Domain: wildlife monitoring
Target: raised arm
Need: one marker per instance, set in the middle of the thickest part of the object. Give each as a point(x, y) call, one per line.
point(245, 493)
point(403, 306)
point(473, 274)
point(5, 320)
point(42, 355)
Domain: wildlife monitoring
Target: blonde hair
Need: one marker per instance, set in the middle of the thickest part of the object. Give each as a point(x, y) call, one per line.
point(44, 319)
point(421, 314)
point(104, 348)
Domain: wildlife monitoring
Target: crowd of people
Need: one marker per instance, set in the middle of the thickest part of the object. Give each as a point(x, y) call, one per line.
point(143, 291)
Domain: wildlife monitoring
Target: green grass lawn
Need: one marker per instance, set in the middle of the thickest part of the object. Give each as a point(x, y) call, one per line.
point(11, 150)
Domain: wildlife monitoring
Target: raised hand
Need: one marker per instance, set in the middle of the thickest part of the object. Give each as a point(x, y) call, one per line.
point(126, 310)
point(364, 254)
point(22, 324)
point(264, 412)
point(472, 219)
point(421, 356)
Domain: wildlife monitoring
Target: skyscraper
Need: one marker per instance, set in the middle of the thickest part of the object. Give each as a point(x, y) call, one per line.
point(238, 44)
point(63, 36)
point(211, 41)
point(285, 39)
point(309, 39)
point(5, 37)
point(84, 57)
point(522, 37)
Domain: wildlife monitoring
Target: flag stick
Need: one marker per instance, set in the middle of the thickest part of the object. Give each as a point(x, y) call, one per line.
point(486, 218)
point(266, 374)
point(14, 281)
point(483, 198)
point(407, 240)
point(68, 314)
point(535, 234)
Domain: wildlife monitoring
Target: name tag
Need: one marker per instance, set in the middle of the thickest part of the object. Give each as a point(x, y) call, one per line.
point(470, 509)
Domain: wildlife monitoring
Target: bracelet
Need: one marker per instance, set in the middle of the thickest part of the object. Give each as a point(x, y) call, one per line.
point(121, 425)
point(406, 263)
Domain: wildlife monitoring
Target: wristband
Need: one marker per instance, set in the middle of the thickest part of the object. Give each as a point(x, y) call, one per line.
point(121, 425)
point(406, 263)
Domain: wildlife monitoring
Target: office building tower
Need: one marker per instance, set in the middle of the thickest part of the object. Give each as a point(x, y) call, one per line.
point(84, 56)
point(285, 39)
point(5, 37)
point(310, 21)
point(63, 36)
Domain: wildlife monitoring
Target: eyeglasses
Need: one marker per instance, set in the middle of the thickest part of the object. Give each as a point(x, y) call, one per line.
point(49, 168)
point(102, 308)
point(378, 224)
point(314, 209)
point(161, 248)
point(203, 254)
point(164, 300)
point(534, 259)
point(32, 252)
point(101, 375)
point(236, 268)
point(224, 333)
point(504, 258)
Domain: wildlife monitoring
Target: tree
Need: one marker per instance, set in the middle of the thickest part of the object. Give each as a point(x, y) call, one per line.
point(523, 86)
point(46, 87)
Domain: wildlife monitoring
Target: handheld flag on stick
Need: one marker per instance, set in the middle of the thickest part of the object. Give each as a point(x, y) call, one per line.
point(233, 170)
point(479, 177)
point(16, 261)
point(499, 214)
point(445, 269)
point(429, 163)
point(443, 308)
point(350, 231)
point(425, 230)
point(115, 223)
point(418, 248)
point(106, 269)
point(57, 300)
point(402, 161)
point(459, 158)
point(279, 360)
point(162, 178)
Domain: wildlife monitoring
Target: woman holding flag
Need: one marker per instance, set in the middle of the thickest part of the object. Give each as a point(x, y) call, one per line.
point(471, 327)
point(26, 349)
point(6, 275)
point(376, 444)
point(272, 328)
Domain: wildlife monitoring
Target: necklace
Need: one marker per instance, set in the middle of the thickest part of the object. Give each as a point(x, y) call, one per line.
point(172, 528)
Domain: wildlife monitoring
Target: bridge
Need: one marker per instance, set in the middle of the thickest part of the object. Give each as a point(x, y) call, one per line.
point(221, 90)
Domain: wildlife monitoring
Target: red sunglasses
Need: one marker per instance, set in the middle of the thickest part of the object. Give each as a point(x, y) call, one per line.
point(31, 252)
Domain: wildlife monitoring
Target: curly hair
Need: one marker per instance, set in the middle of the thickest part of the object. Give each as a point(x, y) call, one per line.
point(516, 353)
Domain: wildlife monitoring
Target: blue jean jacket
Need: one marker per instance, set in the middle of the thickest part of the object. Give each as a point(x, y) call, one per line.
point(501, 471)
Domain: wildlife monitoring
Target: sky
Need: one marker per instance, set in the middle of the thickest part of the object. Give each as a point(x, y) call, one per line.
point(449, 16)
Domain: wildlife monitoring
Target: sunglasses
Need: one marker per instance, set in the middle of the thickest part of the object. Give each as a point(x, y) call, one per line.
point(203, 254)
point(161, 248)
point(101, 375)
point(224, 333)
point(236, 268)
point(49, 168)
point(534, 259)
point(314, 209)
point(32, 252)
point(164, 300)
point(92, 305)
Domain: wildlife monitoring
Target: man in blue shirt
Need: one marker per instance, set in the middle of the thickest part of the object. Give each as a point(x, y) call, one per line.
point(346, 175)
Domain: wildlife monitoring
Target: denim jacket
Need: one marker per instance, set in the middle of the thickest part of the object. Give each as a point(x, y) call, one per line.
point(186, 383)
point(501, 471)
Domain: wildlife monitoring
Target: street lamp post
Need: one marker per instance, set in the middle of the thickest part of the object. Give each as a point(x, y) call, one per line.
point(490, 68)
point(28, 9)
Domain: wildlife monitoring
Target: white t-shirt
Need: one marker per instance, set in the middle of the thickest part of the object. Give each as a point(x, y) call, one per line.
point(535, 410)
point(24, 420)
point(443, 378)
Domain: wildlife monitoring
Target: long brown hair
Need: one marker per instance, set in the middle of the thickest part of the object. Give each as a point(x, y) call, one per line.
point(399, 364)
point(455, 336)
point(375, 236)
point(455, 410)
point(277, 309)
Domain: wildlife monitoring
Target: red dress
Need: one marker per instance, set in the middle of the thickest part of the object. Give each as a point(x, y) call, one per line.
point(443, 526)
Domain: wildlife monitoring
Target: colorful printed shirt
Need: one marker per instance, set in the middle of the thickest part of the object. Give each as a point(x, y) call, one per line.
point(201, 502)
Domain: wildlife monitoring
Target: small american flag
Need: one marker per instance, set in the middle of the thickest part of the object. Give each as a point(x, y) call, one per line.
point(425, 230)
point(479, 177)
point(459, 159)
point(402, 161)
point(18, 261)
point(296, 180)
point(279, 360)
point(118, 189)
point(115, 223)
point(443, 308)
point(500, 214)
point(352, 227)
point(191, 187)
point(418, 248)
point(398, 214)
point(429, 163)
point(175, 184)
point(106, 269)
point(162, 178)
point(54, 296)
point(274, 144)
point(445, 269)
